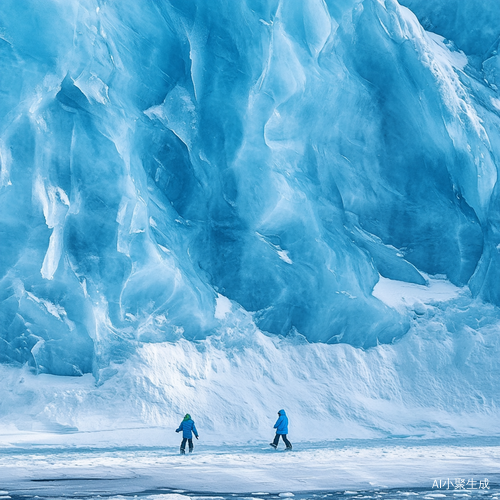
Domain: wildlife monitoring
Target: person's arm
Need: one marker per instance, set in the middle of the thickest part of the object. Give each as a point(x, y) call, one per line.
point(278, 422)
point(180, 428)
point(195, 431)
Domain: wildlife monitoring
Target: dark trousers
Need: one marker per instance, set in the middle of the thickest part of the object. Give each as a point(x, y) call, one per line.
point(183, 444)
point(277, 439)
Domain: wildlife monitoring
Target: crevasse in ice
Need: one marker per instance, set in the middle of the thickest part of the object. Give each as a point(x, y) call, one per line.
point(281, 154)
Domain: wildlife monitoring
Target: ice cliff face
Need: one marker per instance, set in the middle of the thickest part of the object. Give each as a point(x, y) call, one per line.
point(281, 154)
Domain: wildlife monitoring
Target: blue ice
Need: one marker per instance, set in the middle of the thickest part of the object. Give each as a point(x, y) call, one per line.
point(282, 154)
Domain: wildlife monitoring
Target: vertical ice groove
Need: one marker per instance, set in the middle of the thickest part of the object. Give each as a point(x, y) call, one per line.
point(55, 220)
point(318, 24)
point(5, 164)
point(41, 195)
point(139, 221)
point(55, 205)
point(122, 209)
point(53, 255)
point(124, 218)
point(197, 39)
point(267, 63)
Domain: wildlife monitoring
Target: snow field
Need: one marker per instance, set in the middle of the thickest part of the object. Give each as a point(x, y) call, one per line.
point(353, 466)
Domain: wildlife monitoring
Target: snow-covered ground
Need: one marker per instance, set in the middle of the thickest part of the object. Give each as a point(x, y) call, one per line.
point(377, 466)
point(394, 417)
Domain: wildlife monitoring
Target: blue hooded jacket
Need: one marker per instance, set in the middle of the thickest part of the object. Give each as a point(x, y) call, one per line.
point(281, 424)
point(186, 427)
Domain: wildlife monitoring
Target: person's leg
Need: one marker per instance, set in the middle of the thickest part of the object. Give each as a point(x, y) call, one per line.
point(276, 440)
point(183, 445)
point(190, 441)
point(287, 443)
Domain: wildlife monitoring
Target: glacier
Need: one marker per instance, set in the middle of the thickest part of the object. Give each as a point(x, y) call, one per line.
point(212, 203)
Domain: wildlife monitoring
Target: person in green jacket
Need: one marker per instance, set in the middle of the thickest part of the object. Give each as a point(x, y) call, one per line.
point(188, 428)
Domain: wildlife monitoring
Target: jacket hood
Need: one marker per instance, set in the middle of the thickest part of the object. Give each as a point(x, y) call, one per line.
point(187, 416)
point(281, 412)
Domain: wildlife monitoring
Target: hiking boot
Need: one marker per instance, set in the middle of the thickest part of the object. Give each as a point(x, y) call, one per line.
point(273, 445)
point(289, 447)
point(183, 452)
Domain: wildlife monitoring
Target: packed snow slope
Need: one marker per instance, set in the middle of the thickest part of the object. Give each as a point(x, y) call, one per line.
point(185, 184)
point(439, 380)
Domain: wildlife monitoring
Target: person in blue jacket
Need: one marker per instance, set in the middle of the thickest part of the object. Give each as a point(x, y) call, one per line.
point(187, 427)
point(281, 427)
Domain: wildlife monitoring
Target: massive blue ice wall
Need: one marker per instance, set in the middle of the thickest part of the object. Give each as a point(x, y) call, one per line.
point(283, 154)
